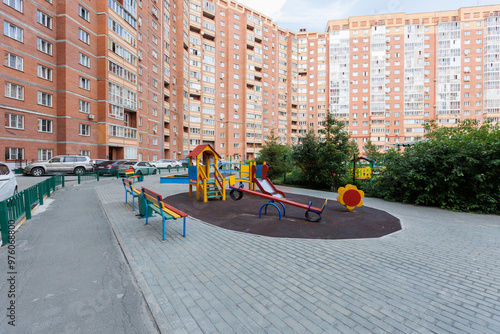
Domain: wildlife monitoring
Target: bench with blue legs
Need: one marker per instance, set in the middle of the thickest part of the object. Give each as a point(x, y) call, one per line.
point(129, 189)
point(154, 202)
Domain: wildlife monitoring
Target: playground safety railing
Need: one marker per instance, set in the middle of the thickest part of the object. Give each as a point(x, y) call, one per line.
point(18, 206)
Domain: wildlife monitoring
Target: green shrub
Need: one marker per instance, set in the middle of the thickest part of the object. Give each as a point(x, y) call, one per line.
point(456, 168)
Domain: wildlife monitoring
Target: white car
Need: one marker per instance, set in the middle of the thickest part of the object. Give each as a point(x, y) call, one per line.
point(8, 182)
point(163, 163)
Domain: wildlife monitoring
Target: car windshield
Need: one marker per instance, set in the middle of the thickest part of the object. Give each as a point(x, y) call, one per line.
point(108, 162)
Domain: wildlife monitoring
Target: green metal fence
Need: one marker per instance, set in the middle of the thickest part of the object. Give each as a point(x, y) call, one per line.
point(15, 207)
point(89, 176)
point(176, 168)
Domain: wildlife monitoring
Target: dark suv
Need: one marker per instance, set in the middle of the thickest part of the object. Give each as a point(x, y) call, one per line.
point(61, 164)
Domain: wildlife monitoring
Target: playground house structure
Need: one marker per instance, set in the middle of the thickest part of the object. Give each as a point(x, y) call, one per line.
point(366, 172)
point(207, 184)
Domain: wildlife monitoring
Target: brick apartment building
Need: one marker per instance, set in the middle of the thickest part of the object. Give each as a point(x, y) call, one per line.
point(152, 79)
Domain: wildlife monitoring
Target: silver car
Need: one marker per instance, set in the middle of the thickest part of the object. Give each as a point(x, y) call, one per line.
point(61, 164)
point(141, 167)
point(8, 182)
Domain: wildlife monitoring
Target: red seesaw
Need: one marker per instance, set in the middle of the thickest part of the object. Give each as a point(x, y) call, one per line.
point(280, 200)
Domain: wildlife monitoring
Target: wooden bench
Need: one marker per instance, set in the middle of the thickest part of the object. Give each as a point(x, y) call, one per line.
point(129, 189)
point(155, 202)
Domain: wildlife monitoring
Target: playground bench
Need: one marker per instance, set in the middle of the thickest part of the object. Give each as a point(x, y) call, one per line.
point(156, 203)
point(129, 189)
point(130, 174)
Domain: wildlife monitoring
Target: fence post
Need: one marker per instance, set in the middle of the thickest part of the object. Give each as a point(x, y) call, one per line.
point(47, 186)
point(4, 222)
point(27, 205)
point(53, 181)
point(97, 176)
point(79, 178)
point(62, 181)
point(39, 189)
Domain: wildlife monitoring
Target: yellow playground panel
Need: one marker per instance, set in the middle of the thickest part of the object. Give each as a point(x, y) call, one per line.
point(364, 173)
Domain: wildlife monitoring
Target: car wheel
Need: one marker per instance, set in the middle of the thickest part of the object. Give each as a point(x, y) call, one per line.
point(79, 170)
point(139, 172)
point(37, 171)
point(154, 171)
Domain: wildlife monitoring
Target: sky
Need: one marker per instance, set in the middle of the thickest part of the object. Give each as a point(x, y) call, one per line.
point(314, 14)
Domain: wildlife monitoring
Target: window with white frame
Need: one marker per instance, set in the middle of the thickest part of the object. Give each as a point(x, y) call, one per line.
point(84, 106)
point(13, 121)
point(84, 60)
point(84, 83)
point(44, 125)
point(14, 61)
point(44, 72)
point(84, 130)
point(83, 36)
point(14, 153)
point(16, 4)
point(14, 91)
point(44, 99)
point(83, 13)
point(44, 19)
point(12, 31)
point(44, 46)
point(44, 154)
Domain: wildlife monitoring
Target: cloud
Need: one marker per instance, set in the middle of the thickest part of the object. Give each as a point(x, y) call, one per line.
point(295, 14)
point(313, 15)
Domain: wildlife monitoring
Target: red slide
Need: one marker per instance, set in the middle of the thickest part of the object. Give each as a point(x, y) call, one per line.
point(265, 185)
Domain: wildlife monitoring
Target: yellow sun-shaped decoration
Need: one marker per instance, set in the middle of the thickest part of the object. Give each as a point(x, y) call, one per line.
point(350, 196)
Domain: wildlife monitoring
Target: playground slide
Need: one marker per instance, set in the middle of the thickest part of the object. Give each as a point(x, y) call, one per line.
point(268, 188)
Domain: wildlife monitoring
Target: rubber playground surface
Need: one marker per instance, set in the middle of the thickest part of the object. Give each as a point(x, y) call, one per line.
point(337, 222)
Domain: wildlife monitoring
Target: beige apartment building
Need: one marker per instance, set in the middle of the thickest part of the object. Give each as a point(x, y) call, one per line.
point(152, 79)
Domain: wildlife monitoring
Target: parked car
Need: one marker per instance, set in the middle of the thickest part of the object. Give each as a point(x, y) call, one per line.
point(185, 162)
point(140, 167)
point(108, 165)
point(163, 163)
point(62, 163)
point(8, 182)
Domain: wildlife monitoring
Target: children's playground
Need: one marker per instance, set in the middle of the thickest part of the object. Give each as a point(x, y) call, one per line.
point(240, 197)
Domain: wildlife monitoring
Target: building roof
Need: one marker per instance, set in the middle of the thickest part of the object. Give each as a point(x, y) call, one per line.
point(202, 148)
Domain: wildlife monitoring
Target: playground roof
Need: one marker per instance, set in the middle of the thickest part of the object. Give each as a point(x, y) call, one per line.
point(202, 148)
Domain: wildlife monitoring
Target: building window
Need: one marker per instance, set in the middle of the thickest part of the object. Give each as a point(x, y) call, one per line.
point(44, 19)
point(14, 91)
point(83, 36)
point(12, 31)
point(44, 46)
point(85, 153)
point(84, 13)
point(44, 154)
point(84, 60)
point(45, 99)
point(16, 4)
point(14, 153)
point(14, 61)
point(44, 72)
point(84, 107)
point(84, 130)
point(44, 125)
point(13, 121)
point(84, 83)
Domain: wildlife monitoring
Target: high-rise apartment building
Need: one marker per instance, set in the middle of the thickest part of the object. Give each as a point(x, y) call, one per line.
point(152, 79)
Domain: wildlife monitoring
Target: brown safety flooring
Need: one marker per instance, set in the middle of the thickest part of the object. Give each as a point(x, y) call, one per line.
point(337, 222)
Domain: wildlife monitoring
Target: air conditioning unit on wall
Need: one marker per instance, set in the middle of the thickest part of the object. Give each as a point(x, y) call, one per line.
point(90, 116)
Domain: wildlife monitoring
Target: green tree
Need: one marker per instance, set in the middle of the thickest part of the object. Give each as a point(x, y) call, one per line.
point(371, 151)
point(306, 157)
point(324, 160)
point(276, 156)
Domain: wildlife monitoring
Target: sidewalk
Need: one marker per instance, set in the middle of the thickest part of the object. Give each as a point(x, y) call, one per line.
point(440, 274)
point(71, 276)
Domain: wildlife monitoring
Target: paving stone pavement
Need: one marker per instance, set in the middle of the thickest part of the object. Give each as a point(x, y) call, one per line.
point(439, 274)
